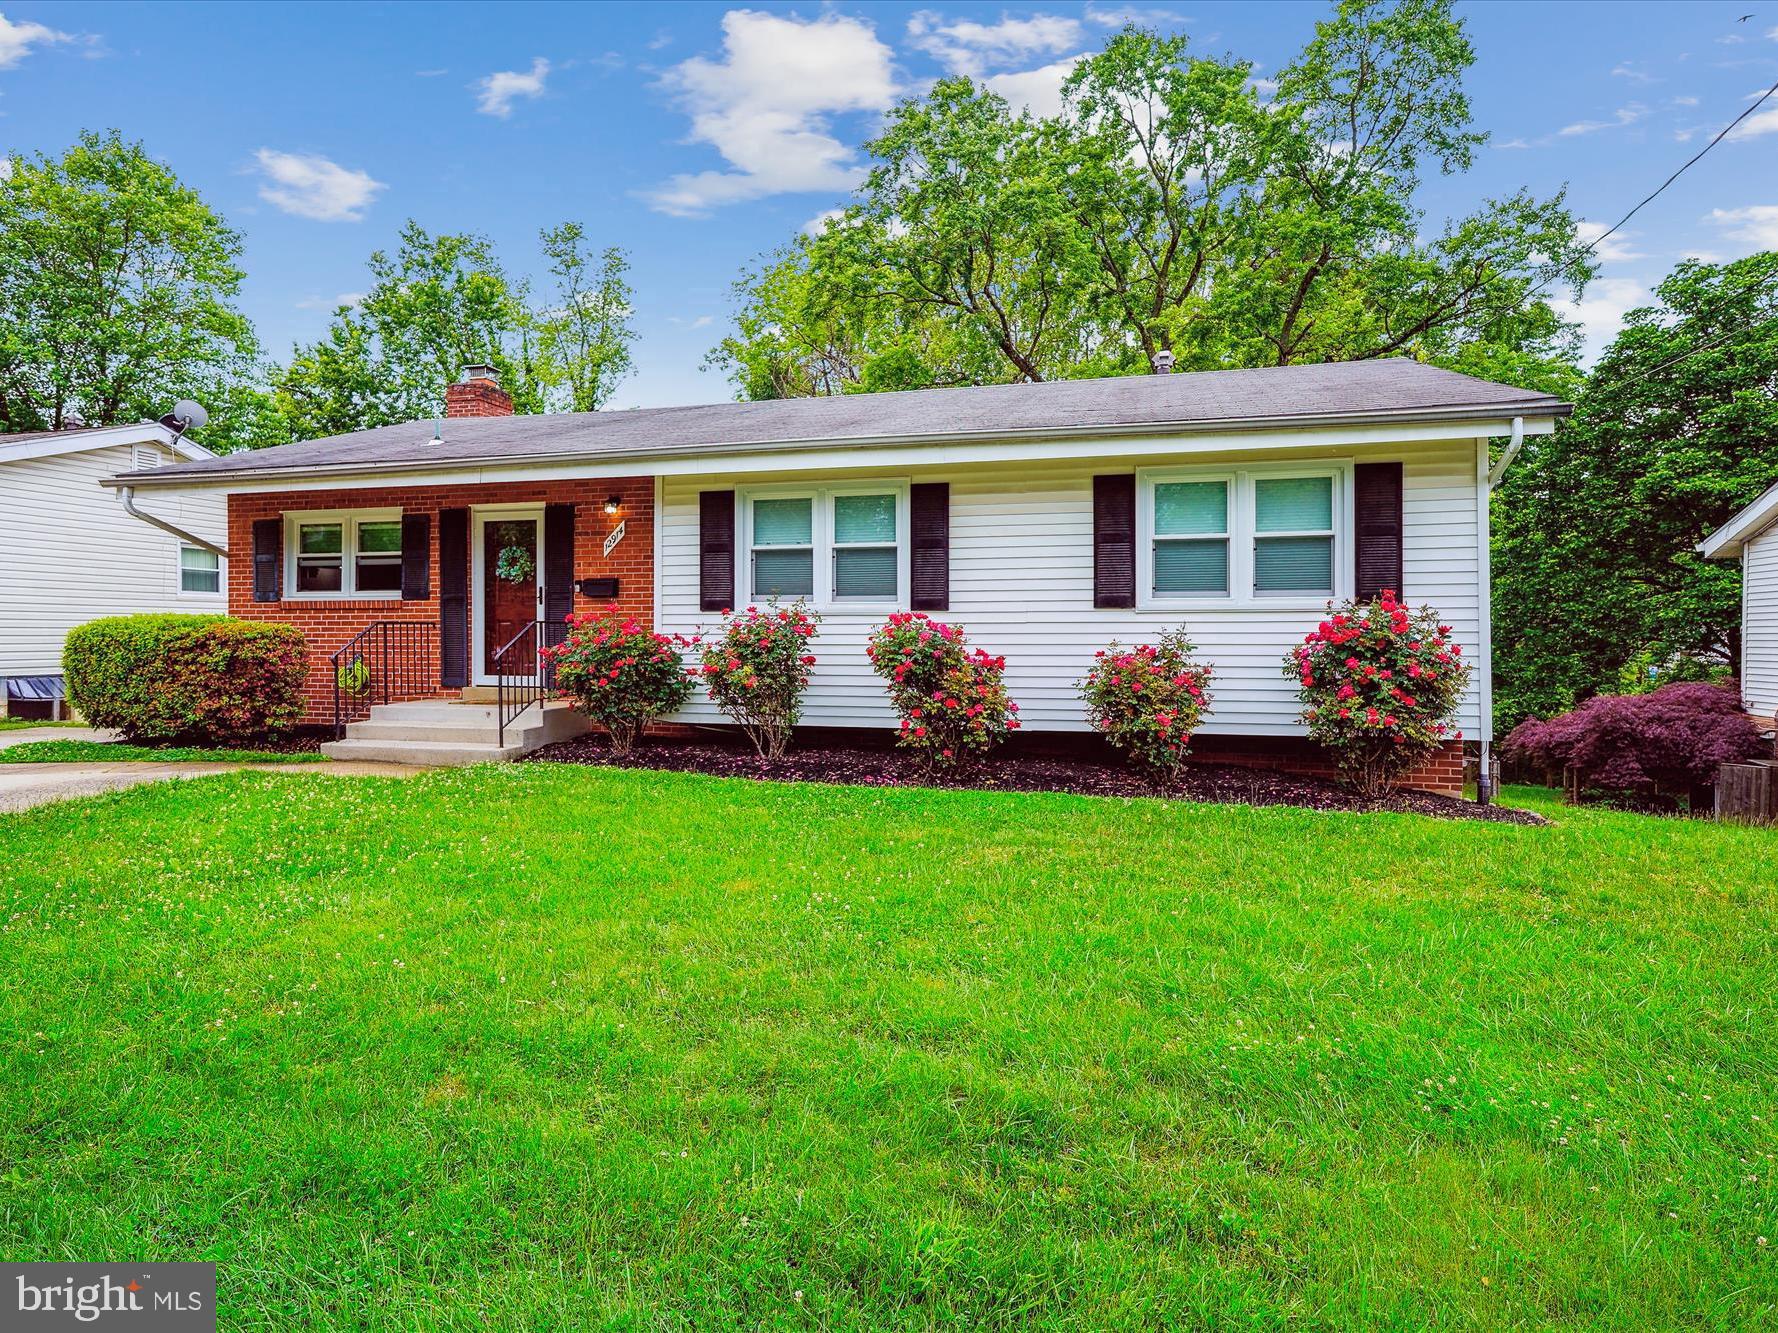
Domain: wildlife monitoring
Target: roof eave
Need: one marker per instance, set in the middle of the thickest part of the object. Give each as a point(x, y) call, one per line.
point(1484, 412)
point(1726, 542)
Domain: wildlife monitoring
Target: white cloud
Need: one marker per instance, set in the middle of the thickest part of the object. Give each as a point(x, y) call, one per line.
point(818, 224)
point(1037, 90)
point(496, 93)
point(767, 107)
point(311, 186)
point(1763, 121)
point(1142, 15)
point(1756, 224)
point(330, 304)
point(17, 39)
point(1772, 34)
point(1626, 69)
point(1600, 313)
point(1512, 143)
point(1685, 101)
point(1614, 250)
point(968, 47)
point(1624, 115)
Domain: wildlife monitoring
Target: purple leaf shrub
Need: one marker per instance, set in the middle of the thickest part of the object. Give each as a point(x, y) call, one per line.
point(1672, 739)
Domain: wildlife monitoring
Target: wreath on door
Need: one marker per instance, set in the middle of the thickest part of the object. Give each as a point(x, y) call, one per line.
point(515, 563)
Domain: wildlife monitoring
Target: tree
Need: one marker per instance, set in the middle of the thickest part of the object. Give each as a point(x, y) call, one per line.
point(1597, 526)
point(441, 302)
point(117, 294)
point(1170, 207)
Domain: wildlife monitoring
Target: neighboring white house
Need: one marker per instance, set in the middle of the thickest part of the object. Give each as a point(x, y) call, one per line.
point(69, 552)
point(1752, 535)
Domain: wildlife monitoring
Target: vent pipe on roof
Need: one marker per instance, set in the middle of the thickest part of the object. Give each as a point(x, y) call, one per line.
point(1163, 363)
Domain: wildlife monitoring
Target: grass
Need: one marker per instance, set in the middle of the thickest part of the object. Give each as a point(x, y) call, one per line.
point(21, 723)
point(114, 752)
point(539, 1047)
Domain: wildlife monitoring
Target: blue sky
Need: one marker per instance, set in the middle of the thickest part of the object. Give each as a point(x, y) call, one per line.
point(699, 136)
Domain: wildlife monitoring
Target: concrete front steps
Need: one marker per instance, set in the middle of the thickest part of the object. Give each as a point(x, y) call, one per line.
point(443, 733)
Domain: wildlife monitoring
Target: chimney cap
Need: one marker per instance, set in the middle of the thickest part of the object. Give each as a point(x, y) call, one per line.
point(477, 371)
point(1163, 363)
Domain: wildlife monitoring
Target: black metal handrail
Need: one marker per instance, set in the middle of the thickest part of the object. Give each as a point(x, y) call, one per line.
point(386, 661)
point(522, 674)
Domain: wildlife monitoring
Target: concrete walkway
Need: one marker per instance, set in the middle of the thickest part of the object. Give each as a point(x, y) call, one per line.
point(25, 785)
point(23, 734)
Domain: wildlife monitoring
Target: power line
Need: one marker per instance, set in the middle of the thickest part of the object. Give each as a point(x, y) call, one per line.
point(1655, 193)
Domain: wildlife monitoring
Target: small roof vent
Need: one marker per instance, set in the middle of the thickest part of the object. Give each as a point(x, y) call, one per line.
point(472, 373)
point(1163, 363)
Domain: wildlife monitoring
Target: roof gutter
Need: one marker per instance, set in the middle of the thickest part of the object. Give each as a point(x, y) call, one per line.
point(1514, 443)
point(180, 476)
point(127, 494)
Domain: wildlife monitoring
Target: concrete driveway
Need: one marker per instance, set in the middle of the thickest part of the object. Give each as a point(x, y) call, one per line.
point(25, 785)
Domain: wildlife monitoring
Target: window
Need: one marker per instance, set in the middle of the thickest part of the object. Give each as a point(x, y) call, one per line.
point(199, 570)
point(378, 564)
point(1293, 535)
point(834, 548)
point(1191, 538)
point(343, 554)
point(784, 548)
point(1243, 538)
point(866, 559)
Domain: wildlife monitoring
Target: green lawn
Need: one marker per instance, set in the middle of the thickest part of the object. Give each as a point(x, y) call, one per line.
point(113, 752)
point(538, 1047)
point(20, 723)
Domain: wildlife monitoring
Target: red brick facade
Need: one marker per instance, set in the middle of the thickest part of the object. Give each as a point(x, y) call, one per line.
point(477, 398)
point(330, 622)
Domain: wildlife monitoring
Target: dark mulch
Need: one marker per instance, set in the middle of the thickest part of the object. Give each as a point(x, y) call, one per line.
point(1221, 783)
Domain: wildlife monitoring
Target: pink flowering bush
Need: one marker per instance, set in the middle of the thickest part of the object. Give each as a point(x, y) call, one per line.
point(620, 673)
point(1379, 685)
point(757, 669)
point(1148, 700)
point(1669, 741)
point(951, 699)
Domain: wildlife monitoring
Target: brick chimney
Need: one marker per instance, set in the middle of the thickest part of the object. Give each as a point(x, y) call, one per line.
point(477, 394)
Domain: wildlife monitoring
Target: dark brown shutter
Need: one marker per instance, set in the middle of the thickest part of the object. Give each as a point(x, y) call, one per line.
point(416, 557)
point(1114, 540)
point(268, 559)
point(453, 597)
point(716, 550)
point(929, 521)
point(558, 561)
point(1376, 509)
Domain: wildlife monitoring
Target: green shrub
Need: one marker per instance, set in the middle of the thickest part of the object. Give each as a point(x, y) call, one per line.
point(951, 699)
point(757, 669)
point(620, 673)
point(1379, 686)
point(194, 679)
point(1148, 700)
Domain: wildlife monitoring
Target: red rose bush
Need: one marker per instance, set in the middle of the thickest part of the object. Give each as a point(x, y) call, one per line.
point(1379, 686)
point(1148, 700)
point(757, 669)
point(951, 699)
point(620, 673)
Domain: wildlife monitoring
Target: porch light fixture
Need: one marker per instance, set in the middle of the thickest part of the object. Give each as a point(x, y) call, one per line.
point(613, 503)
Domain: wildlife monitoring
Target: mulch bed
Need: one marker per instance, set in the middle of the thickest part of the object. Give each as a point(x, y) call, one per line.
point(1220, 783)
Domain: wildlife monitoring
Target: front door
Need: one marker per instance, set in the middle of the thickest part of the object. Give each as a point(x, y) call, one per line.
point(508, 587)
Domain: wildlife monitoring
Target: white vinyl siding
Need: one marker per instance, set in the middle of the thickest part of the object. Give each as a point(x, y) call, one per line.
point(69, 553)
point(1022, 585)
point(1759, 624)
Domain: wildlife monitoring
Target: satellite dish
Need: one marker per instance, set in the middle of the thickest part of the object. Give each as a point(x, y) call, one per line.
point(192, 414)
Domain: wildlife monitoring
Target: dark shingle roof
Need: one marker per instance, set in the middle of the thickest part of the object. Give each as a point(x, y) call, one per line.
point(1221, 399)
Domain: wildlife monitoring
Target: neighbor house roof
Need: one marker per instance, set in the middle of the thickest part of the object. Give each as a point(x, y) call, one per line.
point(48, 443)
point(1726, 542)
point(1393, 390)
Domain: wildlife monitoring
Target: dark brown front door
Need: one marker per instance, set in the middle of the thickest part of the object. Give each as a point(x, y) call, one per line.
point(509, 590)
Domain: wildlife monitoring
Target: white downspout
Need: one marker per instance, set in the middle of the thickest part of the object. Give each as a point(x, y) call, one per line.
point(1486, 480)
point(127, 494)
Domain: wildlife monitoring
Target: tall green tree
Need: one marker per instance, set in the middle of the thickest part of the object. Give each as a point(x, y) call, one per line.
point(1597, 526)
point(1172, 207)
point(439, 302)
point(117, 295)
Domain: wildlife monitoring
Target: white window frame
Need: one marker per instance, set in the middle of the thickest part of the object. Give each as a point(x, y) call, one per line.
point(822, 498)
point(1242, 534)
point(179, 572)
point(349, 521)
